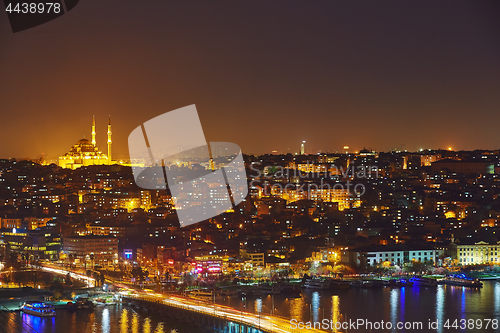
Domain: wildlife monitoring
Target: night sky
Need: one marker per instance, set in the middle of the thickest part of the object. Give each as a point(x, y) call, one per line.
point(263, 74)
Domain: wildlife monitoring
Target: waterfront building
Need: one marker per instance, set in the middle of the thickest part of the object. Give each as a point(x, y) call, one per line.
point(255, 259)
point(37, 244)
point(104, 249)
point(394, 254)
point(478, 253)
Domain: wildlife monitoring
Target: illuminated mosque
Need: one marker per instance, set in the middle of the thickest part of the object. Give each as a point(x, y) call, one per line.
point(85, 153)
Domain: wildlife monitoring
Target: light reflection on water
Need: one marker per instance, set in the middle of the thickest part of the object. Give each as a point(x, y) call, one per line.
point(296, 306)
point(111, 319)
point(147, 325)
point(105, 320)
point(497, 300)
point(135, 323)
point(335, 310)
point(406, 304)
point(159, 328)
point(315, 306)
point(440, 298)
point(124, 321)
point(395, 294)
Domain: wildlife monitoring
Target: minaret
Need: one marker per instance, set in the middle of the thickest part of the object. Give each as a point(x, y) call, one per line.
point(109, 141)
point(93, 130)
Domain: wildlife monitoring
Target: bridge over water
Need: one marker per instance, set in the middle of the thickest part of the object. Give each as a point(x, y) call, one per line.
point(211, 316)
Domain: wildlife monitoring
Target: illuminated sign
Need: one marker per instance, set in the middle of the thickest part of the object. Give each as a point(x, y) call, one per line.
point(128, 254)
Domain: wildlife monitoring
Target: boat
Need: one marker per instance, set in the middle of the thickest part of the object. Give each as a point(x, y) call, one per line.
point(339, 284)
point(39, 309)
point(207, 295)
point(317, 283)
point(270, 289)
point(462, 282)
point(362, 284)
point(291, 290)
point(255, 292)
point(81, 304)
point(378, 283)
point(400, 283)
point(423, 281)
point(226, 292)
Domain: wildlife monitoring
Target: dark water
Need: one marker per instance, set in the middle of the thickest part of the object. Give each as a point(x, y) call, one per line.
point(410, 304)
point(405, 305)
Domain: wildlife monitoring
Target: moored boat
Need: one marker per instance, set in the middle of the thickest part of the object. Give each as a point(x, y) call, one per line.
point(291, 290)
point(81, 304)
point(423, 281)
point(462, 282)
point(400, 283)
point(226, 292)
point(317, 283)
point(270, 289)
point(339, 284)
point(207, 295)
point(379, 283)
point(39, 309)
point(362, 284)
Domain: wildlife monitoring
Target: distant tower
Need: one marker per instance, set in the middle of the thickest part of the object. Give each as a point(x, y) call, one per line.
point(303, 148)
point(109, 140)
point(93, 130)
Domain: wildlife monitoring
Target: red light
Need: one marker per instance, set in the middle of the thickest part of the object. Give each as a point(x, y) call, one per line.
point(170, 261)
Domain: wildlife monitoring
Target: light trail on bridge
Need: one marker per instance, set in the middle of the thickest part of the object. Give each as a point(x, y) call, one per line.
point(268, 323)
point(90, 282)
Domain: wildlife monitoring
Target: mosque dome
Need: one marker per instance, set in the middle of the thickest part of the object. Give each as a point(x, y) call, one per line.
point(83, 141)
point(84, 146)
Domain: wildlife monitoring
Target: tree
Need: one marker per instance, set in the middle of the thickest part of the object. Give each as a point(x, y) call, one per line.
point(67, 280)
point(138, 273)
point(56, 285)
point(102, 279)
point(71, 258)
point(96, 277)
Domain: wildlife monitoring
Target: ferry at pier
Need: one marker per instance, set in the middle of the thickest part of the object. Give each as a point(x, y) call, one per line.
point(204, 294)
point(39, 309)
point(462, 281)
point(317, 283)
point(337, 283)
point(270, 289)
point(423, 281)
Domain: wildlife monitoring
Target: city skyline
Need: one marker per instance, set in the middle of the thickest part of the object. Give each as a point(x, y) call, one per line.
point(301, 147)
point(249, 166)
